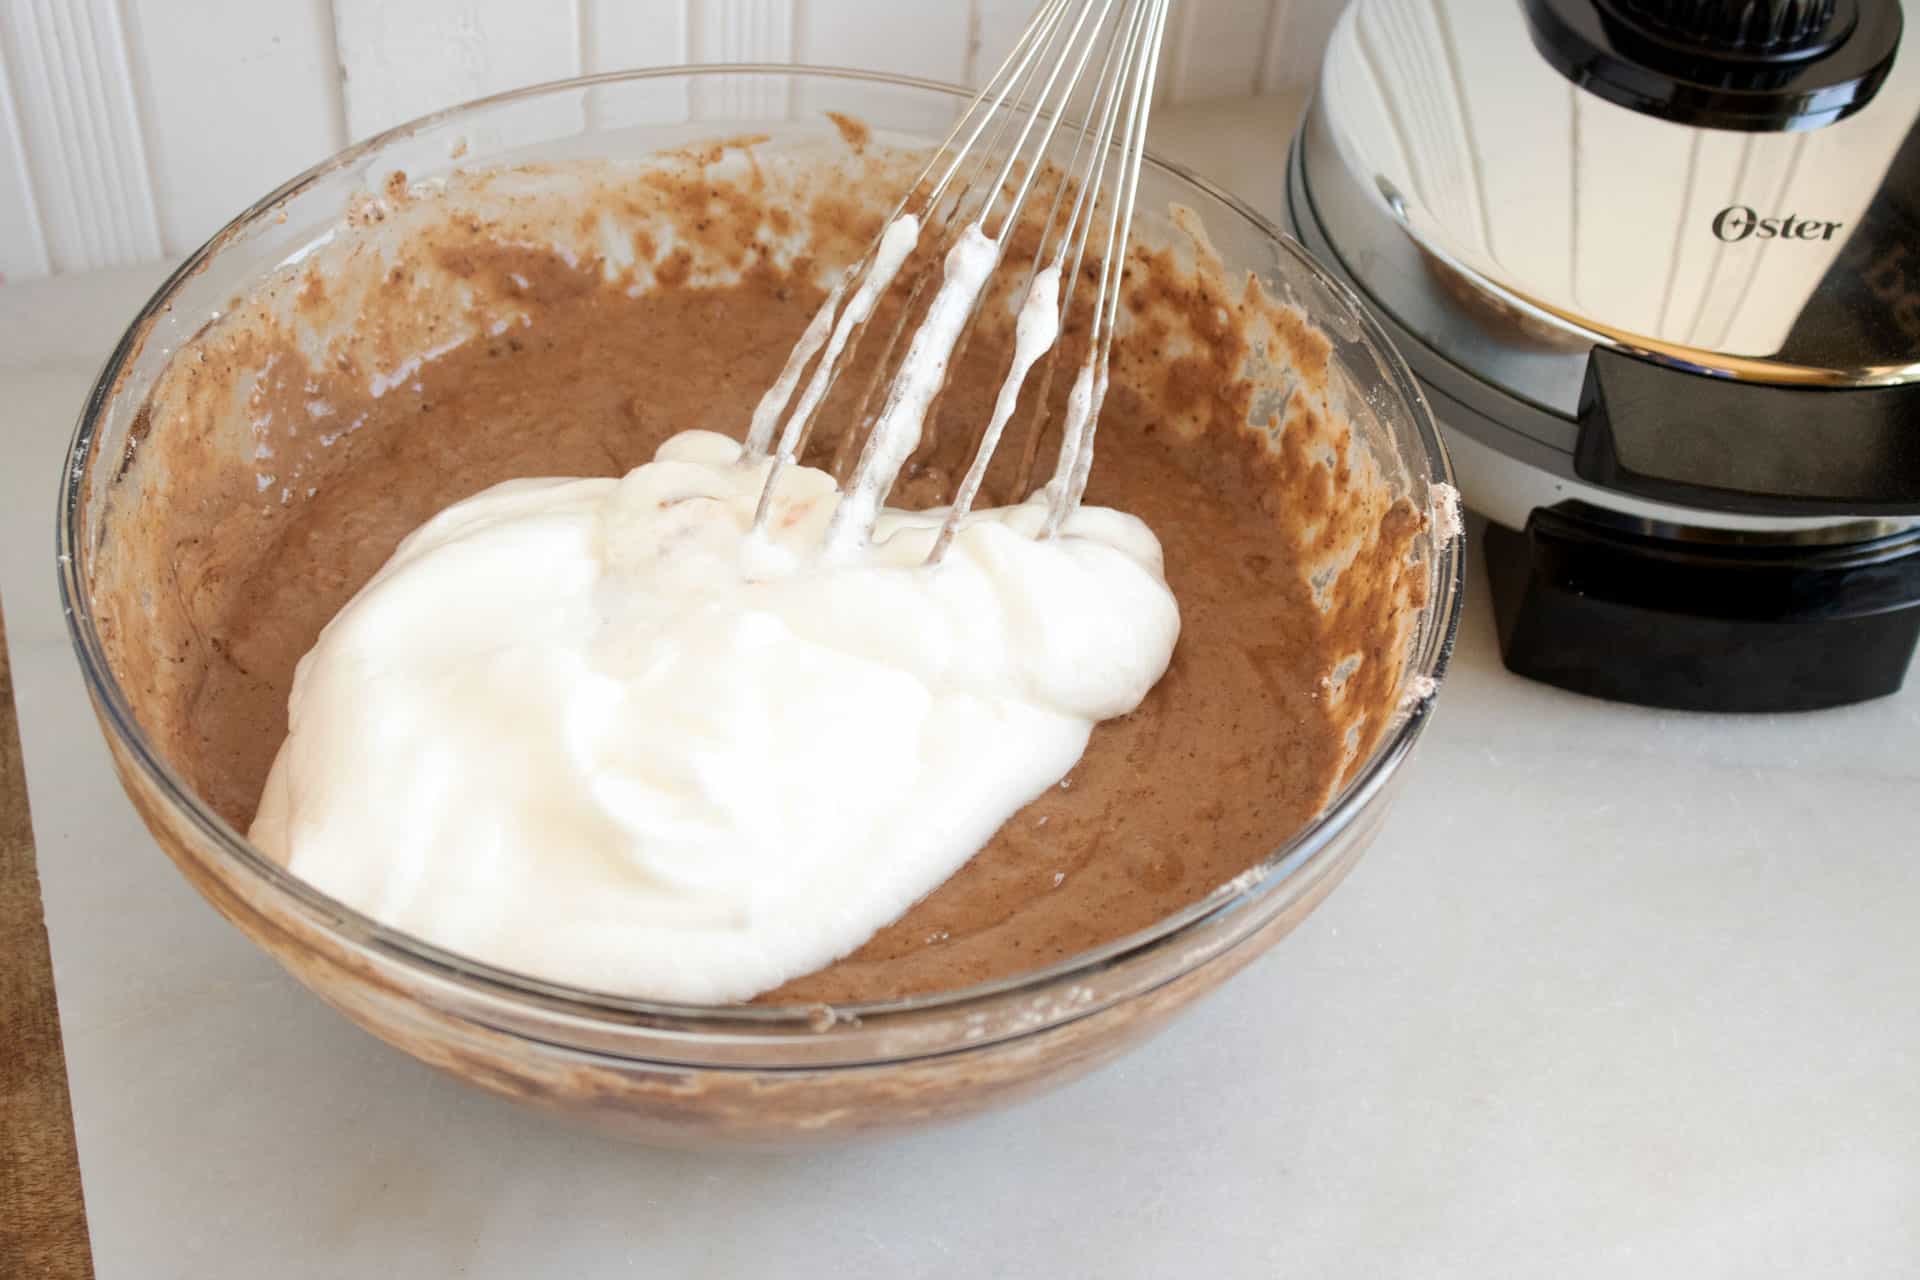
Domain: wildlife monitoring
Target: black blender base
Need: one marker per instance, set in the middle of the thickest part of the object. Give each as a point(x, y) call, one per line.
point(1704, 626)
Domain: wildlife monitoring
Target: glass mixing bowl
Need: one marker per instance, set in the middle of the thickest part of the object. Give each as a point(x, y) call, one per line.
point(693, 1075)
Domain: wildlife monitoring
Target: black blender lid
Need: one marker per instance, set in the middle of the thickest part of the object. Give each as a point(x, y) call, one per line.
point(1514, 219)
point(1764, 65)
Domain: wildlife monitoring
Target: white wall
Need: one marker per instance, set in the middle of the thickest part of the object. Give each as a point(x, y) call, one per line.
point(132, 129)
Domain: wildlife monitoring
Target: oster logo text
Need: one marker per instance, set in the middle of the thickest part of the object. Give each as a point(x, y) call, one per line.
point(1739, 222)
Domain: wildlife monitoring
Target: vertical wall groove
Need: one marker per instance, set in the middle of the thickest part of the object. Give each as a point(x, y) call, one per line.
point(85, 214)
point(23, 232)
point(583, 59)
point(137, 137)
point(130, 208)
point(744, 31)
point(1278, 11)
point(53, 106)
point(1296, 37)
point(1178, 44)
point(335, 72)
point(84, 115)
point(971, 67)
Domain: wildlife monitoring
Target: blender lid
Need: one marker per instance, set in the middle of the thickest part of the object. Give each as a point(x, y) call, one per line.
point(1515, 220)
point(1765, 65)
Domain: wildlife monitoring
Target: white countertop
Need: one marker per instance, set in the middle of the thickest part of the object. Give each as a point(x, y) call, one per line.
point(1617, 992)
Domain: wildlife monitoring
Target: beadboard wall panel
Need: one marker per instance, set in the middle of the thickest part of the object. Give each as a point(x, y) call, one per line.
point(131, 129)
point(928, 40)
point(399, 61)
point(915, 40)
point(23, 245)
point(1213, 50)
point(741, 31)
point(618, 34)
point(217, 139)
point(993, 26)
point(86, 169)
point(1296, 35)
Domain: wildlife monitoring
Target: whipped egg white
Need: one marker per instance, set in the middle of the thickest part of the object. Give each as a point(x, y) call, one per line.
point(601, 732)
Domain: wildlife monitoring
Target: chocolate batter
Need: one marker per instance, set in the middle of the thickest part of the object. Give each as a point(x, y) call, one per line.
point(272, 481)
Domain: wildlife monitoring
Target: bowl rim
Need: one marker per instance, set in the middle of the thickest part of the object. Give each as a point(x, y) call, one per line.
point(1261, 881)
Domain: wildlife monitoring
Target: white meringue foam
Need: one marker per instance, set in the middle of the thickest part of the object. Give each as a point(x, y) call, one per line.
point(597, 732)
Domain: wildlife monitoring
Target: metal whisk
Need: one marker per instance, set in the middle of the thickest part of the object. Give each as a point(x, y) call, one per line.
point(972, 194)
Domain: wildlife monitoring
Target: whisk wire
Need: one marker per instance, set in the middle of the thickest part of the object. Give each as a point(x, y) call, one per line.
point(1070, 481)
point(1046, 52)
point(878, 265)
point(1043, 291)
point(1019, 114)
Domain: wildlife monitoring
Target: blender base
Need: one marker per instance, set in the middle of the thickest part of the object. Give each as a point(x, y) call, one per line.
point(1704, 626)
